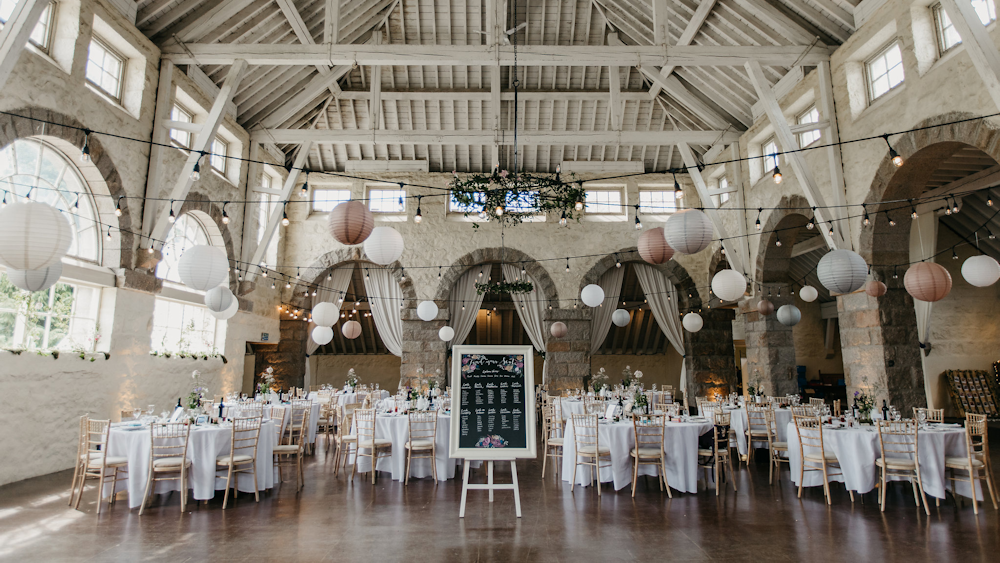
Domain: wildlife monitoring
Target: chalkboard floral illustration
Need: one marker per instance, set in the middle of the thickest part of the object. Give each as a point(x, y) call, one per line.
point(494, 441)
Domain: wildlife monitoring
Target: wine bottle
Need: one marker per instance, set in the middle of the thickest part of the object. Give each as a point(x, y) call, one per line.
point(179, 403)
point(855, 411)
point(885, 411)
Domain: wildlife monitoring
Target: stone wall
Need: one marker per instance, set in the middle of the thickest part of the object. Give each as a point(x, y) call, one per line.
point(711, 357)
point(770, 349)
point(568, 358)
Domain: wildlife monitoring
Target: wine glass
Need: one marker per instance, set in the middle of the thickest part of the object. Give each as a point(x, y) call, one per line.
point(150, 409)
point(136, 413)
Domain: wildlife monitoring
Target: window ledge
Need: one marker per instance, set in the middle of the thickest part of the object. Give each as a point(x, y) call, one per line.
point(224, 177)
point(873, 106)
point(46, 57)
point(110, 101)
point(606, 217)
point(391, 217)
point(943, 59)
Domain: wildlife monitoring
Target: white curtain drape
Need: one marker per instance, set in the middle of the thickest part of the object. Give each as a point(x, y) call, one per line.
point(657, 287)
point(530, 308)
point(923, 246)
point(611, 283)
point(385, 296)
point(331, 291)
point(464, 302)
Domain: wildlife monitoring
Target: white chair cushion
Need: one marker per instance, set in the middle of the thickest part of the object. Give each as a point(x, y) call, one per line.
point(379, 443)
point(962, 463)
point(110, 461)
point(591, 451)
point(896, 463)
point(704, 452)
point(419, 444)
point(646, 452)
point(349, 438)
point(286, 449)
point(167, 462)
point(239, 458)
point(816, 458)
point(779, 445)
point(555, 441)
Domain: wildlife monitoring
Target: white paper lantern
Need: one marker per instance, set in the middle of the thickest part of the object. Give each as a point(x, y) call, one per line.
point(351, 330)
point(688, 231)
point(325, 314)
point(322, 335)
point(842, 271)
point(36, 280)
point(384, 246)
point(33, 236)
point(693, 322)
point(203, 267)
point(729, 285)
point(592, 295)
point(620, 317)
point(808, 293)
point(427, 310)
point(446, 333)
point(981, 271)
point(789, 315)
point(219, 299)
point(228, 313)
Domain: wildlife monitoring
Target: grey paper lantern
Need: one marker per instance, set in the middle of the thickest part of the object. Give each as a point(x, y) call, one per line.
point(325, 314)
point(351, 330)
point(36, 280)
point(322, 335)
point(842, 271)
point(228, 313)
point(688, 231)
point(729, 285)
point(693, 322)
point(789, 315)
point(219, 299)
point(33, 236)
point(203, 267)
point(559, 329)
point(620, 317)
point(384, 245)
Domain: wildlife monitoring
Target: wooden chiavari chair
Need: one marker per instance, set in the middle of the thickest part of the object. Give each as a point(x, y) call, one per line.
point(291, 452)
point(423, 432)
point(898, 442)
point(704, 406)
point(775, 447)
point(95, 461)
point(648, 448)
point(167, 456)
point(779, 402)
point(804, 410)
point(977, 459)
point(552, 438)
point(126, 414)
point(249, 409)
point(592, 405)
point(810, 433)
point(557, 411)
point(81, 455)
point(364, 421)
point(242, 456)
point(932, 415)
point(672, 409)
point(327, 422)
point(756, 427)
point(816, 403)
point(345, 439)
point(837, 411)
point(718, 458)
point(588, 446)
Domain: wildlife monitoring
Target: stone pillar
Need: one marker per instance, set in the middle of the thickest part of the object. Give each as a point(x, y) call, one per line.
point(879, 343)
point(567, 358)
point(770, 349)
point(711, 356)
point(287, 357)
point(422, 348)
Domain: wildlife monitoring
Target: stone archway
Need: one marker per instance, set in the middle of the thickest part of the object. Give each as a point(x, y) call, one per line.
point(492, 255)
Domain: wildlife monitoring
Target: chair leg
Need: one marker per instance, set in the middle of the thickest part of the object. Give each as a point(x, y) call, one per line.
point(635, 474)
point(406, 481)
point(545, 457)
point(923, 497)
point(597, 471)
point(114, 484)
point(434, 464)
point(826, 485)
point(732, 474)
point(802, 471)
point(184, 491)
point(229, 479)
point(72, 487)
point(882, 492)
point(988, 475)
point(972, 483)
point(146, 492)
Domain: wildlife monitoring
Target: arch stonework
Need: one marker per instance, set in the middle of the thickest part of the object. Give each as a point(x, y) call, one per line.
point(343, 255)
point(491, 255)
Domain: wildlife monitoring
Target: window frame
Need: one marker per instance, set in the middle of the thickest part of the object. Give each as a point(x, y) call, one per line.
point(317, 189)
point(22, 325)
point(723, 197)
point(940, 30)
point(870, 80)
point(190, 119)
point(223, 157)
point(605, 210)
point(767, 156)
point(388, 188)
point(46, 20)
point(647, 211)
point(117, 98)
point(817, 131)
point(160, 348)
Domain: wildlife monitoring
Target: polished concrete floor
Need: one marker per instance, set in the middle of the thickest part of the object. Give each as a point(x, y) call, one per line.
point(336, 519)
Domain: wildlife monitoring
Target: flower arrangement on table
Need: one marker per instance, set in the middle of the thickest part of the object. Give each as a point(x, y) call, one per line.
point(267, 383)
point(866, 397)
point(629, 377)
point(755, 387)
point(352, 380)
point(197, 392)
point(599, 380)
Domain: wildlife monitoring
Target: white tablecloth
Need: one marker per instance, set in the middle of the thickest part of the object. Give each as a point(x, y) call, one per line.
point(348, 398)
point(313, 420)
point(397, 429)
point(680, 444)
point(858, 448)
point(739, 423)
point(205, 445)
point(570, 407)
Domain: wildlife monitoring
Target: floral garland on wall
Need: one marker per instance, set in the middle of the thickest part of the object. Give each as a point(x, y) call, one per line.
point(510, 199)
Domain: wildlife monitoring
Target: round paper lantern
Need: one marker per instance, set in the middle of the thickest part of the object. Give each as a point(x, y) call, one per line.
point(789, 315)
point(729, 285)
point(219, 299)
point(765, 307)
point(981, 271)
point(33, 236)
point(592, 295)
point(228, 313)
point(842, 271)
point(36, 280)
point(559, 329)
point(427, 310)
point(875, 288)
point(620, 317)
point(203, 267)
point(384, 246)
point(688, 231)
point(653, 246)
point(927, 281)
point(446, 333)
point(351, 222)
point(808, 293)
point(351, 330)
point(325, 314)
point(322, 335)
point(693, 322)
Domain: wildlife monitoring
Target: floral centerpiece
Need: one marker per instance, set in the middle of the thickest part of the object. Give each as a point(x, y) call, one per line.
point(267, 383)
point(197, 392)
point(352, 378)
point(755, 387)
point(865, 398)
point(629, 377)
point(599, 380)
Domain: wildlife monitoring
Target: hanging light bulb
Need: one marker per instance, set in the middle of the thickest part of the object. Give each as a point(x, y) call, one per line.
point(85, 150)
point(757, 223)
point(562, 220)
point(866, 220)
point(108, 237)
point(678, 192)
point(913, 214)
point(638, 223)
point(523, 269)
point(418, 218)
point(777, 241)
point(989, 201)
point(272, 284)
point(892, 223)
point(954, 205)
point(579, 203)
point(4, 204)
point(567, 264)
point(618, 262)
point(499, 210)
point(150, 249)
point(288, 284)
point(196, 171)
point(990, 234)
point(305, 185)
point(954, 255)
point(171, 218)
point(896, 159)
point(118, 206)
point(777, 172)
point(76, 204)
point(402, 274)
point(284, 214)
point(225, 215)
point(830, 232)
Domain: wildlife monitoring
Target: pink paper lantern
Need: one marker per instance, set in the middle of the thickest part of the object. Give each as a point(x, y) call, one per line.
point(559, 329)
point(765, 307)
point(927, 281)
point(351, 329)
point(875, 288)
point(653, 247)
point(351, 222)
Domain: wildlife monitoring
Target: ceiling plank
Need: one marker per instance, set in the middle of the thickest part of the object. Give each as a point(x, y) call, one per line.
point(485, 137)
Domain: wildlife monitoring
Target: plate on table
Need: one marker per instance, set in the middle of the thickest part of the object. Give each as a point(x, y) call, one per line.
point(944, 426)
point(131, 426)
point(697, 419)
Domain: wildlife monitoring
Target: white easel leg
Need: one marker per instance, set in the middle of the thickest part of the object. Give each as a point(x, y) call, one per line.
point(517, 492)
point(489, 478)
point(465, 488)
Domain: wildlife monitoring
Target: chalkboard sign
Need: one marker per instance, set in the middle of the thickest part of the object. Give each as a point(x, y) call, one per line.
point(493, 402)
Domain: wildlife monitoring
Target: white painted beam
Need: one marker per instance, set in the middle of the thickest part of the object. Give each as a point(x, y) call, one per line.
point(781, 88)
point(833, 152)
point(160, 137)
point(375, 103)
point(487, 95)
point(301, 31)
point(617, 107)
point(275, 218)
point(692, 28)
point(814, 243)
point(978, 44)
point(15, 33)
point(486, 137)
point(661, 15)
point(708, 204)
point(212, 19)
point(331, 25)
point(737, 182)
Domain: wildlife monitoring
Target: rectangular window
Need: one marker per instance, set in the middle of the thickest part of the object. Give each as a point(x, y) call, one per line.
point(454, 206)
point(105, 69)
point(324, 200)
point(657, 202)
point(183, 327)
point(63, 317)
point(771, 157)
point(218, 160)
point(177, 136)
point(808, 137)
point(42, 34)
point(986, 9)
point(723, 185)
point(522, 202)
point(603, 201)
point(381, 200)
point(885, 72)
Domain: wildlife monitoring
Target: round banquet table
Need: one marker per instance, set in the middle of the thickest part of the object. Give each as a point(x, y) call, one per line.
point(313, 420)
point(569, 407)
point(348, 398)
point(396, 427)
point(739, 423)
point(680, 445)
point(858, 448)
point(205, 445)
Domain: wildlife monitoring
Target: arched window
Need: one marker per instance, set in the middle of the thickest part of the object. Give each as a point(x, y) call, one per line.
point(186, 232)
point(36, 166)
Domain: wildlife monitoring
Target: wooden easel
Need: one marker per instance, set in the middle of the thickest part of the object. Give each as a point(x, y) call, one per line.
point(490, 486)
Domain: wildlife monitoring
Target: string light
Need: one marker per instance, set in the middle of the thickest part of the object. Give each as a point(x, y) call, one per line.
point(225, 216)
point(777, 171)
point(567, 264)
point(171, 218)
point(896, 159)
point(85, 150)
point(777, 241)
point(118, 206)
point(638, 224)
point(76, 204)
point(954, 203)
point(954, 255)
point(579, 202)
point(109, 235)
point(418, 218)
point(196, 171)
point(499, 210)
point(288, 284)
point(678, 192)
point(4, 204)
point(913, 210)
point(892, 223)
point(284, 214)
point(757, 223)
point(562, 220)
point(866, 220)
point(618, 262)
point(305, 186)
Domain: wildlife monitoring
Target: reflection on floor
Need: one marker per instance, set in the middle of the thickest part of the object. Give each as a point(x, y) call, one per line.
point(335, 519)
